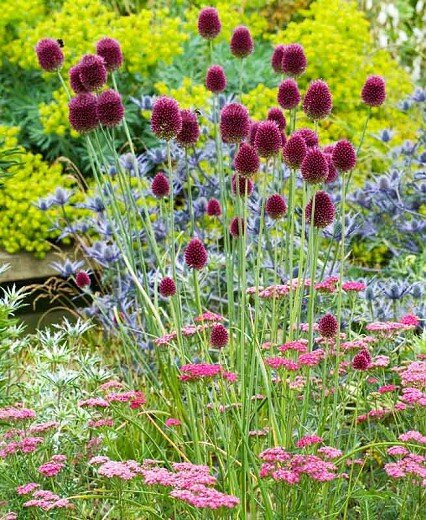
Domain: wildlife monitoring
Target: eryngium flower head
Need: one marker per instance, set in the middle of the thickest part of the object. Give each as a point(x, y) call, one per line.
point(75, 81)
point(294, 151)
point(237, 227)
point(234, 123)
point(254, 125)
point(318, 101)
point(362, 360)
point(373, 92)
point(215, 79)
point(344, 156)
point(288, 94)
point(83, 113)
point(167, 287)
point(110, 108)
point(324, 212)
point(275, 114)
point(166, 118)
point(241, 42)
point(277, 59)
point(160, 185)
point(190, 131)
point(82, 279)
point(294, 60)
point(209, 25)
point(268, 140)
point(310, 137)
point(276, 206)
point(219, 336)
point(314, 167)
point(93, 73)
point(49, 54)
point(246, 160)
point(195, 254)
point(244, 186)
point(328, 326)
point(110, 50)
point(213, 208)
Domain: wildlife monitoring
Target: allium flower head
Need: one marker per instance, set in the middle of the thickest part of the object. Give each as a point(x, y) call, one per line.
point(93, 73)
point(190, 131)
point(277, 59)
point(160, 185)
point(362, 360)
point(374, 91)
point(310, 137)
point(288, 94)
point(219, 336)
point(276, 206)
point(110, 50)
point(82, 279)
point(209, 25)
point(268, 141)
point(49, 54)
point(75, 81)
point(167, 287)
point(328, 326)
point(294, 60)
point(195, 254)
point(246, 160)
point(234, 123)
point(215, 79)
point(254, 125)
point(213, 208)
point(275, 114)
point(241, 186)
point(110, 108)
point(333, 174)
point(314, 167)
point(83, 114)
point(324, 211)
point(166, 118)
point(294, 151)
point(344, 156)
point(318, 101)
point(241, 42)
point(237, 227)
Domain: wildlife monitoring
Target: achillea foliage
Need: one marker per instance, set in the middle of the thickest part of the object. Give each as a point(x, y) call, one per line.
point(110, 50)
point(49, 54)
point(83, 112)
point(215, 79)
point(294, 60)
point(167, 287)
point(209, 25)
point(234, 123)
point(241, 42)
point(374, 91)
point(324, 212)
point(166, 118)
point(276, 206)
point(160, 185)
point(318, 101)
point(93, 73)
point(195, 254)
point(268, 140)
point(314, 168)
point(246, 160)
point(344, 156)
point(190, 131)
point(294, 151)
point(110, 108)
point(288, 94)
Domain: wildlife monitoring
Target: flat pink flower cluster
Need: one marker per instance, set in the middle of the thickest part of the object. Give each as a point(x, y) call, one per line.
point(300, 346)
point(53, 466)
point(283, 466)
point(309, 359)
point(25, 445)
point(99, 423)
point(43, 427)
point(109, 385)
point(15, 413)
point(308, 440)
point(380, 413)
point(413, 435)
point(353, 286)
point(47, 501)
point(209, 316)
point(411, 465)
point(93, 402)
point(414, 374)
point(198, 371)
point(385, 389)
point(358, 344)
point(413, 396)
point(204, 497)
point(26, 489)
point(388, 328)
point(171, 422)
